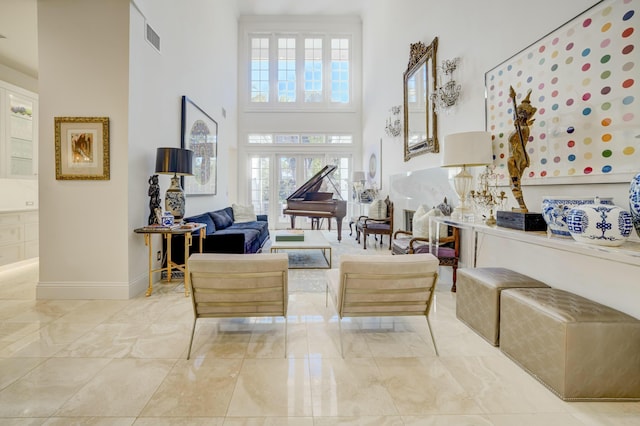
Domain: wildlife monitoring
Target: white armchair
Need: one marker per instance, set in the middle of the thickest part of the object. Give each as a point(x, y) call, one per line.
point(372, 286)
point(239, 285)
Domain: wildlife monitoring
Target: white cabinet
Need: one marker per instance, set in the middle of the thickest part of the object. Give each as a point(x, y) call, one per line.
point(18, 132)
point(18, 236)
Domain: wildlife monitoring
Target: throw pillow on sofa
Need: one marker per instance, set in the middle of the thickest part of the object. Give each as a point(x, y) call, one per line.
point(203, 218)
point(221, 219)
point(243, 214)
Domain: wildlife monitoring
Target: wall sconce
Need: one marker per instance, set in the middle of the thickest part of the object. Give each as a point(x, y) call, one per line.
point(447, 93)
point(394, 126)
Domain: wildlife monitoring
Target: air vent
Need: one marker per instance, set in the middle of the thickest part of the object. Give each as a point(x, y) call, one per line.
point(153, 38)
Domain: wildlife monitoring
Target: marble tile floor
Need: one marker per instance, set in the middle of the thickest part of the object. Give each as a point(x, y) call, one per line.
point(123, 362)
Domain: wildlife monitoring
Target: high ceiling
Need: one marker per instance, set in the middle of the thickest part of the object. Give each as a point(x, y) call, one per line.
point(300, 7)
point(18, 23)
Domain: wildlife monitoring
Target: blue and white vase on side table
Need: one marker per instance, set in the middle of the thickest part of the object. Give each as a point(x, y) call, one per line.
point(634, 202)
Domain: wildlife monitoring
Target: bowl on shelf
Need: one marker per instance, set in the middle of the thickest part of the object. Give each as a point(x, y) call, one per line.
point(555, 209)
point(600, 224)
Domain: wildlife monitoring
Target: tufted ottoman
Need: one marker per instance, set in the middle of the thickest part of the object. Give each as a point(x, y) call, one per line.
point(578, 348)
point(478, 299)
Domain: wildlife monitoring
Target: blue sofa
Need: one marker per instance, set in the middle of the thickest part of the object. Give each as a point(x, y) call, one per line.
point(224, 235)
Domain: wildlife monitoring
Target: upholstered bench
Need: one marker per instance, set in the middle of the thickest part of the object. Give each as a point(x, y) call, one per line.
point(478, 299)
point(578, 348)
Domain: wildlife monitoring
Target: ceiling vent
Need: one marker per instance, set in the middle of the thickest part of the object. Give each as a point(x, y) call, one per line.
point(152, 37)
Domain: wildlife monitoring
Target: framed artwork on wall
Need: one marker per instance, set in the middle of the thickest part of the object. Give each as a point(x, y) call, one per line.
point(82, 148)
point(200, 135)
point(584, 83)
point(373, 166)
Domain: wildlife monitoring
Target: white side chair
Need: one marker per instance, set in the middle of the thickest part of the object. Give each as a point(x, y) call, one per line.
point(239, 285)
point(375, 286)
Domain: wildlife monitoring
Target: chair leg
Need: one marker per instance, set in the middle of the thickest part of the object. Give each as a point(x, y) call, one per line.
point(193, 330)
point(326, 296)
point(455, 278)
point(340, 327)
point(364, 238)
point(435, 347)
point(286, 323)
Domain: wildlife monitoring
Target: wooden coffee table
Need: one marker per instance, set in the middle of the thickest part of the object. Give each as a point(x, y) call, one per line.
point(313, 240)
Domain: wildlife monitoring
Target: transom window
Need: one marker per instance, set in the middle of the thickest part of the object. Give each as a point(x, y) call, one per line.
point(298, 69)
point(296, 139)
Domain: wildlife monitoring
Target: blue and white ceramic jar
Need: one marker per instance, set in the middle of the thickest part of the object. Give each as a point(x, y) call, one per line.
point(601, 224)
point(555, 209)
point(634, 202)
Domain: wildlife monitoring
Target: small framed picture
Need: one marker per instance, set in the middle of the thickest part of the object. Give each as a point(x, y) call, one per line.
point(82, 148)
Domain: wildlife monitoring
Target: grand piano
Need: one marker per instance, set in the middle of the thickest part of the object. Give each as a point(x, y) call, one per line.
point(315, 199)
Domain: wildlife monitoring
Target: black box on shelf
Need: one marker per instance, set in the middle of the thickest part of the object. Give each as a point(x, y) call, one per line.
point(521, 221)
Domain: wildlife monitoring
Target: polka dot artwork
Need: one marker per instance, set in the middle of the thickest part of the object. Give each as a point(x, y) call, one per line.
point(585, 82)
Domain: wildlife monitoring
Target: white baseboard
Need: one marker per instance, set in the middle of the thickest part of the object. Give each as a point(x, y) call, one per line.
point(95, 290)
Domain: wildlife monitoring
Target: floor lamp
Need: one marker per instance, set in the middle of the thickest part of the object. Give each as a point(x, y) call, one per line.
point(467, 149)
point(176, 162)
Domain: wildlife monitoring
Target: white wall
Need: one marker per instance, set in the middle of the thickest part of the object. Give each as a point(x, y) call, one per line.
point(482, 34)
point(197, 59)
point(91, 67)
point(83, 73)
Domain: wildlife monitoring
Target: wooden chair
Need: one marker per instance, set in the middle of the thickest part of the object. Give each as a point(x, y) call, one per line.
point(239, 285)
point(368, 225)
point(375, 286)
point(447, 249)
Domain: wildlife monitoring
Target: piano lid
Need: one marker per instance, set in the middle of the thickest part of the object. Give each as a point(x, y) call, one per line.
point(314, 184)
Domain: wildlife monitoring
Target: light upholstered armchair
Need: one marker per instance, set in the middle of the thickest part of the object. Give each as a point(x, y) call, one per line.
point(372, 286)
point(239, 285)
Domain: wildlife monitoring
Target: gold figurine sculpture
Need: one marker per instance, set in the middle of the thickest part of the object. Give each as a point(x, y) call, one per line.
point(518, 157)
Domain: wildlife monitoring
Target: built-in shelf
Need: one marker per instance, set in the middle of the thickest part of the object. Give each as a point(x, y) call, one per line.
point(628, 252)
point(607, 275)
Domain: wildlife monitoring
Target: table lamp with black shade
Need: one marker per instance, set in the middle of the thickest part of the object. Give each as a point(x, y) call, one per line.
point(178, 162)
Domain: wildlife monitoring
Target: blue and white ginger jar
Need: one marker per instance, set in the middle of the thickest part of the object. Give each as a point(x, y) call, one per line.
point(634, 202)
point(600, 224)
point(555, 209)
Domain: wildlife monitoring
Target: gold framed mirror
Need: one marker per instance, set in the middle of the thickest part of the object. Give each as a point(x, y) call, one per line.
point(420, 120)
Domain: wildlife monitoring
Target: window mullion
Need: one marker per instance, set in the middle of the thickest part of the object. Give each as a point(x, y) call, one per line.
point(326, 74)
point(300, 69)
point(273, 69)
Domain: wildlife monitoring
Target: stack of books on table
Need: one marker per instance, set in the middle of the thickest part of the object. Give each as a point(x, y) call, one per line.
point(290, 235)
point(158, 227)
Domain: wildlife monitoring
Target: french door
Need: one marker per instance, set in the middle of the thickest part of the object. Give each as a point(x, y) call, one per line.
point(276, 177)
point(292, 172)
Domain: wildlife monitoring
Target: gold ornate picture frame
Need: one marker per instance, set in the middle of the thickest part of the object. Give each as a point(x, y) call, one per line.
point(82, 148)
